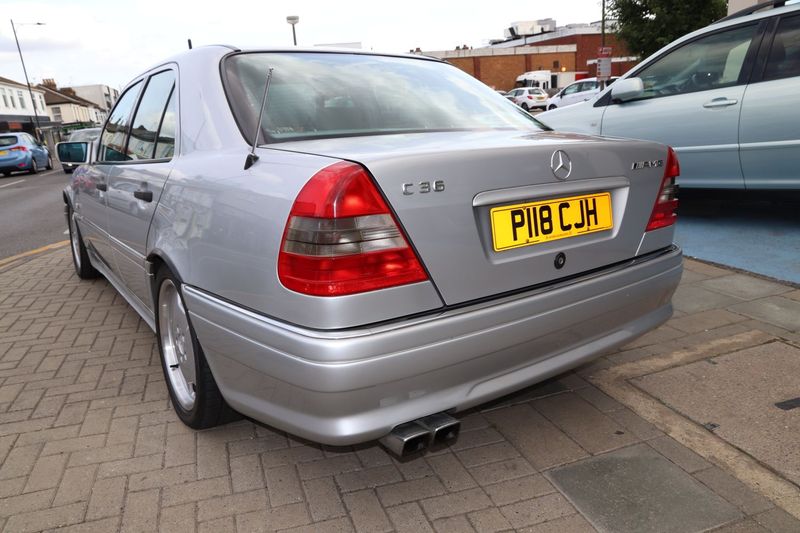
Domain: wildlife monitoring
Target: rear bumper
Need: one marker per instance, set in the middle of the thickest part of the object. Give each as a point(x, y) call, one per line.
point(344, 387)
point(22, 162)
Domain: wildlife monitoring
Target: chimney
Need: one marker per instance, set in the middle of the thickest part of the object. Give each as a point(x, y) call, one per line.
point(50, 83)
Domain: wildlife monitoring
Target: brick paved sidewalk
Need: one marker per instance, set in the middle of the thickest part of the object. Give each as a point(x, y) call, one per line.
point(88, 441)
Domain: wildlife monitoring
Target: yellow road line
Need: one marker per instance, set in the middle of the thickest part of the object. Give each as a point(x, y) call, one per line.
point(29, 253)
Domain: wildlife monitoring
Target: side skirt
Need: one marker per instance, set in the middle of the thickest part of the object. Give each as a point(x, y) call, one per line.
point(138, 306)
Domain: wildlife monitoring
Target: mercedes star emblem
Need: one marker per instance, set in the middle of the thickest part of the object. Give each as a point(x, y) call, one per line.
point(561, 164)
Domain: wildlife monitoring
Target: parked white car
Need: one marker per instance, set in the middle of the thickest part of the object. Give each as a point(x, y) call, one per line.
point(577, 92)
point(528, 97)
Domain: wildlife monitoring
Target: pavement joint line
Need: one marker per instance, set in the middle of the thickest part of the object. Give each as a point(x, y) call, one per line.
point(760, 478)
point(35, 251)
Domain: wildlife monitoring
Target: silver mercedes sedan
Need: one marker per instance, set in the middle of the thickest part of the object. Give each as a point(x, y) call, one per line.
point(353, 246)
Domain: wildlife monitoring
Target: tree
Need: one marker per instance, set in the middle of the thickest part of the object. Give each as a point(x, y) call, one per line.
point(647, 25)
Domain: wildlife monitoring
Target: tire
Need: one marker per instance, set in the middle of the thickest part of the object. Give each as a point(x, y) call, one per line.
point(49, 163)
point(68, 170)
point(525, 106)
point(80, 257)
point(34, 167)
point(552, 107)
point(194, 392)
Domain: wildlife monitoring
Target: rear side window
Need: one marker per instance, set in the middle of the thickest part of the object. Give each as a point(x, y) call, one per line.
point(8, 140)
point(142, 143)
point(165, 146)
point(784, 56)
point(710, 62)
point(114, 137)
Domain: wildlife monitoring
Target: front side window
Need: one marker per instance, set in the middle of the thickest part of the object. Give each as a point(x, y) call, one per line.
point(148, 117)
point(314, 95)
point(784, 56)
point(113, 138)
point(711, 62)
point(572, 89)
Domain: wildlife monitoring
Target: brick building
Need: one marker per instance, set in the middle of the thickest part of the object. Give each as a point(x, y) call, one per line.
point(569, 49)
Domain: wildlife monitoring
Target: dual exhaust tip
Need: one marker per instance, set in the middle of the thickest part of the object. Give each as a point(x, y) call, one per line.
point(416, 436)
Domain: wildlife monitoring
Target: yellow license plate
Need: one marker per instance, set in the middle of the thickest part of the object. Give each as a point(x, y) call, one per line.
point(3, 152)
point(536, 222)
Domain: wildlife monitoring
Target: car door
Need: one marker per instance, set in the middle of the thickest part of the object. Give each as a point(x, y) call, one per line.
point(691, 101)
point(769, 135)
point(135, 185)
point(568, 95)
point(585, 92)
point(90, 182)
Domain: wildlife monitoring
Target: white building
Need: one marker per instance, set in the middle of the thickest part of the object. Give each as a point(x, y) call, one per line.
point(101, 95)
point(66, 107)
point(17, 110)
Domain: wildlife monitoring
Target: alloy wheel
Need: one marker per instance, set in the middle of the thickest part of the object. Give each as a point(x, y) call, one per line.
point(176, 344)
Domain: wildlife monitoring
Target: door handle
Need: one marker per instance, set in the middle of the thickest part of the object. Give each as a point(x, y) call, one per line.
point(101, 187)
point(145, 196)
point(720, 102)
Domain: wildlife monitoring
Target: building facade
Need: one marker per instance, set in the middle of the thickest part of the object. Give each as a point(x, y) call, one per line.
point(17, 111)
point(102, 96)
point(72, 111)
point(570, 50)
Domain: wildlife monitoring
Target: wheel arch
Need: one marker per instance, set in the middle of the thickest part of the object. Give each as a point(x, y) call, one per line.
point(154, 261)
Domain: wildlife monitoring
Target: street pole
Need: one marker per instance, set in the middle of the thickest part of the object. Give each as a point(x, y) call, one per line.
point(293, 19)
point(602, 33)
point(603, 25)
point(27, 82)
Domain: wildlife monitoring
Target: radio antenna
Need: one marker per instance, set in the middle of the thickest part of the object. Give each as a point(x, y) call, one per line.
point(252, 157)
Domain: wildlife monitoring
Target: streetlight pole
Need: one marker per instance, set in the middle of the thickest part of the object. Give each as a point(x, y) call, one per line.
point(293, 19)
point(25, 71)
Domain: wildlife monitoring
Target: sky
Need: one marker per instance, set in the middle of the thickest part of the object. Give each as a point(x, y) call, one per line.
point(111, 41)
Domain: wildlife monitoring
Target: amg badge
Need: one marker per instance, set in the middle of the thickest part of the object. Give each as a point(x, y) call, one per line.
point(655, 163)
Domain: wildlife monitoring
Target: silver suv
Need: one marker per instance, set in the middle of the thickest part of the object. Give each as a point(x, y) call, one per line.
point(725, 97)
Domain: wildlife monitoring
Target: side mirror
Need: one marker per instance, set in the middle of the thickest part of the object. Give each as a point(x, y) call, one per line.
point(73, 152)
point(627, 89)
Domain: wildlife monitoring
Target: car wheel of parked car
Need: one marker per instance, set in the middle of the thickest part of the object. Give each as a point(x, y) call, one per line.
point(49, 163)
point(80, 257)
point(552, 106)
point(525, 106)
point(194, 393)
point(68, 171)
point(34, 167)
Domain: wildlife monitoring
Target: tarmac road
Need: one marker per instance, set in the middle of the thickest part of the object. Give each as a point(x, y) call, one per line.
point(31, 211)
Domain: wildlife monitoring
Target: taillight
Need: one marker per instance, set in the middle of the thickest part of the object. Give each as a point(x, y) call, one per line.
point(530, 97)
point(341, 238)
point(20, 149)
point(663, 214)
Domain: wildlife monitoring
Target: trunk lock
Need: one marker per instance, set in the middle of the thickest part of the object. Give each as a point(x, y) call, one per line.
point(560, 261)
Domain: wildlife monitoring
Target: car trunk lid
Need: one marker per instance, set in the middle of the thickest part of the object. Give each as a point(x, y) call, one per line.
point(483, 210)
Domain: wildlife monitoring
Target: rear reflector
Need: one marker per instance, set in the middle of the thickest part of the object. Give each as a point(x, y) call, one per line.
point(663, 214)
point(341, 238)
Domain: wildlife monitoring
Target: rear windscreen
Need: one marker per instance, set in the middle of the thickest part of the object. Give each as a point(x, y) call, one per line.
point(314, 95)
point(8, 140)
